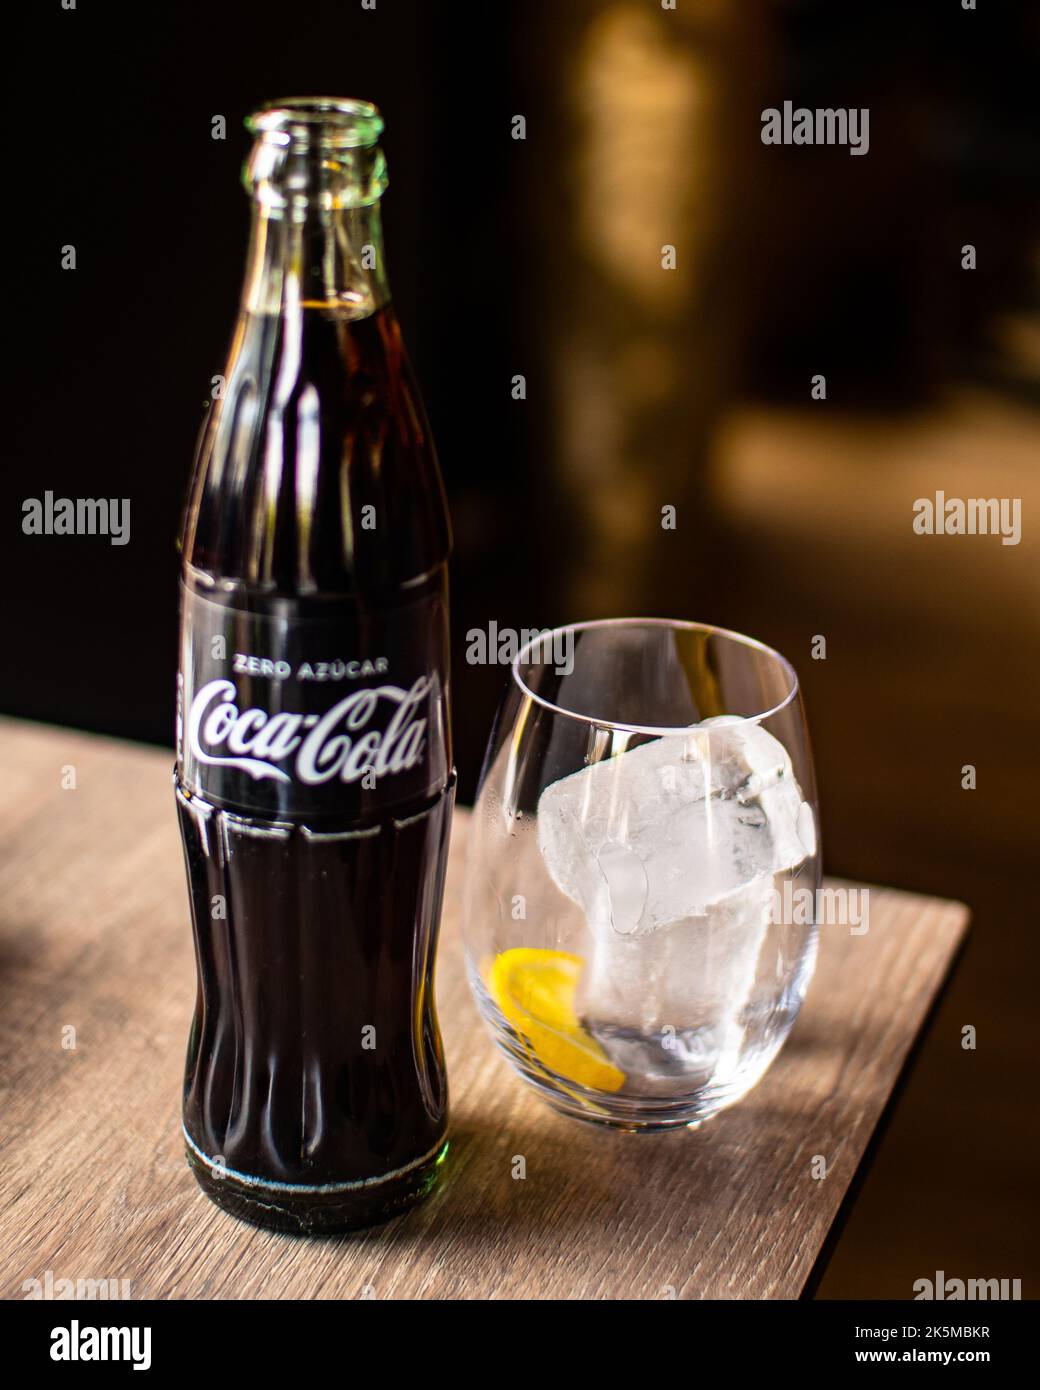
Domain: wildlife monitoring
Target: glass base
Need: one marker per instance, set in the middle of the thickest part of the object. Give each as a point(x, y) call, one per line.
point(640, 1114)
point(306, 1211)
point(679, 1097)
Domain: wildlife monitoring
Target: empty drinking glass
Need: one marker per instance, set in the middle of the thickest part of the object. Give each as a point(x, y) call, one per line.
point(640, 902)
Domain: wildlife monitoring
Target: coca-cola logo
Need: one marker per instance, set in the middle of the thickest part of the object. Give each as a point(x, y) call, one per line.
point(337, 744)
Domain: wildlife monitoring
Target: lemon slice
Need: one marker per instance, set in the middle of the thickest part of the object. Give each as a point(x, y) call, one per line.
point(535, 991)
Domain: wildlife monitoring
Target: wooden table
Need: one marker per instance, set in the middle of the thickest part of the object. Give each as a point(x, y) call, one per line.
point(94, 937)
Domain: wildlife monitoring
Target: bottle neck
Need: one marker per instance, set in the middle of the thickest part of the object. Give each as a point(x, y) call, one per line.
point(316, 257)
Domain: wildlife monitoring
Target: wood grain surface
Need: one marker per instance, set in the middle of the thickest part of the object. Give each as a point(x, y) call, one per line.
point(95, 937)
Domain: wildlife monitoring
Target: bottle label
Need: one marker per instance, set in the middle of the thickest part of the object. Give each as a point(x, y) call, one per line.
point(330, 710)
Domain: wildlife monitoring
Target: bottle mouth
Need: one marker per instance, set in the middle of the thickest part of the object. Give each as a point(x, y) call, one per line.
point(315, 152)
point(341, 123)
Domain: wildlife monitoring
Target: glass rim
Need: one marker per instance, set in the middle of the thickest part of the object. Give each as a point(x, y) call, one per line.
point(663, 731)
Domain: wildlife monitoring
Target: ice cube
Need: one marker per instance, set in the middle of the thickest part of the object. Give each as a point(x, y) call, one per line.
point(669, 849)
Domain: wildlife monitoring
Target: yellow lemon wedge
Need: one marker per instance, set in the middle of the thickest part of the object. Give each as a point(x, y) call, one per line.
point(535, 990)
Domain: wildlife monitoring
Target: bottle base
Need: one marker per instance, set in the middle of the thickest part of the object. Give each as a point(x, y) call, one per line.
point(314, 1211)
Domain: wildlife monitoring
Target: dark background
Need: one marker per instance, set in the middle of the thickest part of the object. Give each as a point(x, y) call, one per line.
point(644, 388)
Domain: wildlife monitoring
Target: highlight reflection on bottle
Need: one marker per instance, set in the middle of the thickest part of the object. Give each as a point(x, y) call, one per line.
point(314, 773)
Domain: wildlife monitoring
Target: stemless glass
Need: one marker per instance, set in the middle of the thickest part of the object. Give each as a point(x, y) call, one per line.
point(640, 920)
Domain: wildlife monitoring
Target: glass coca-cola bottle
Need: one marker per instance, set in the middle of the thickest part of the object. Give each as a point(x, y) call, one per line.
point(314, 776)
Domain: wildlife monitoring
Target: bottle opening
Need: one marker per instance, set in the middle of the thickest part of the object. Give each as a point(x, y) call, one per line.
point(336, 122)
point(315, 152)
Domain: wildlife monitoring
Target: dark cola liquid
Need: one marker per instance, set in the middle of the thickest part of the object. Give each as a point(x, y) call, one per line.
point(328, 942)
point(314, 781)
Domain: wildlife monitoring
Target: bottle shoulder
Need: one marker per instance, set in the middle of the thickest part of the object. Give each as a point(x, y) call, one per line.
point(316, 471)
